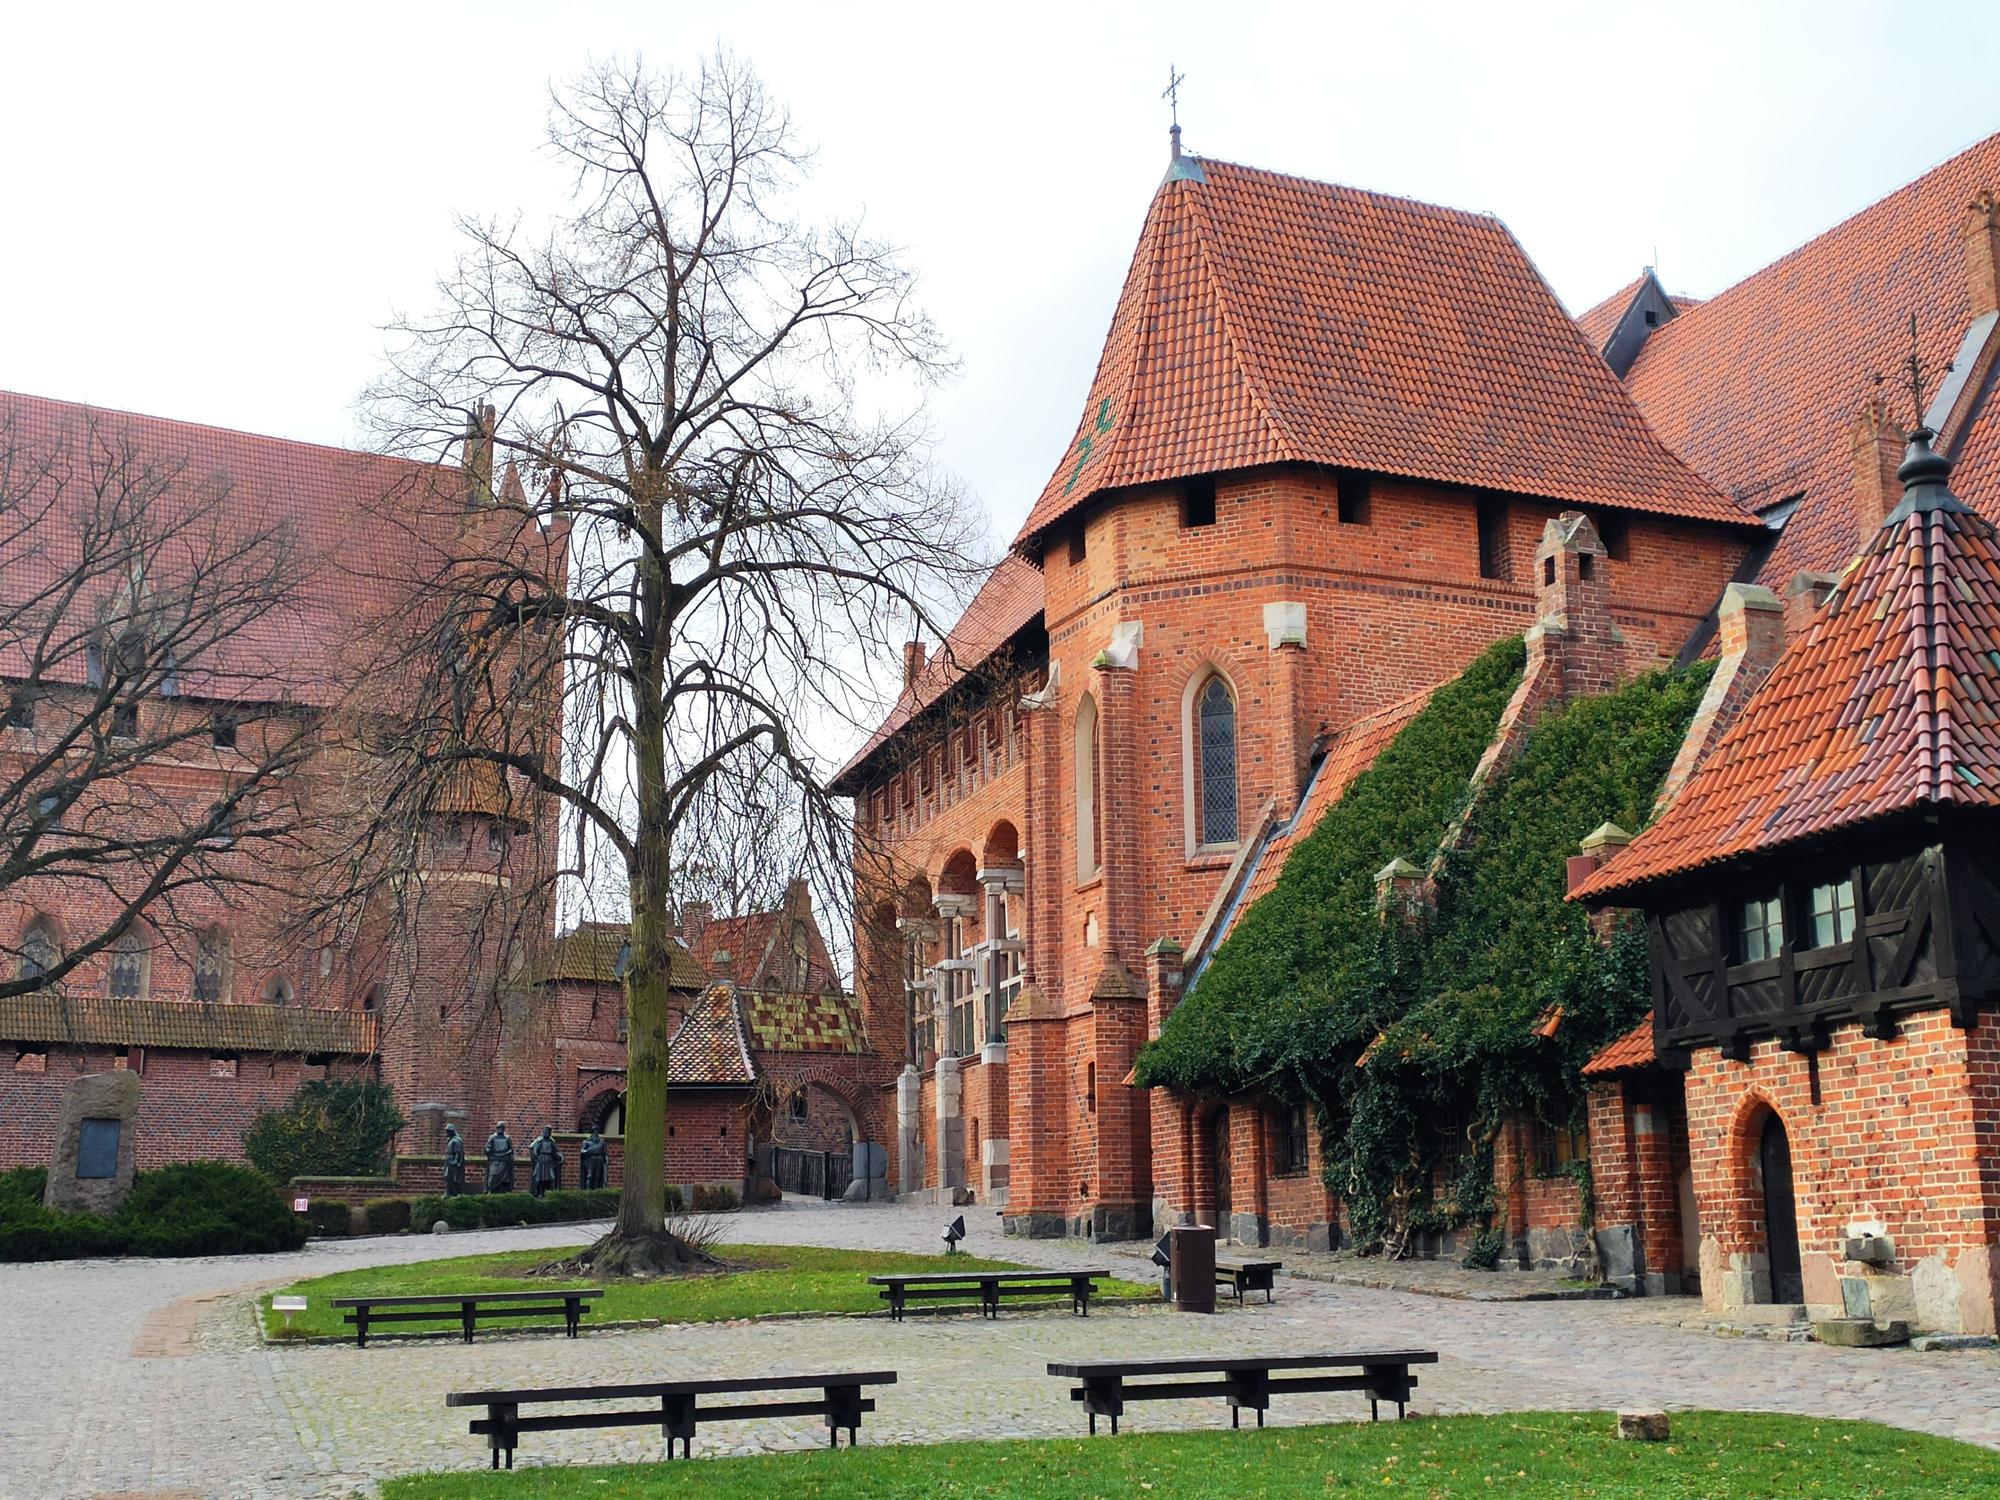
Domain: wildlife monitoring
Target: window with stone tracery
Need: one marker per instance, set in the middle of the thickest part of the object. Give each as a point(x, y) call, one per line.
point(1215, 751)
point(211, 968)
point(131, 967)
point(39, 950)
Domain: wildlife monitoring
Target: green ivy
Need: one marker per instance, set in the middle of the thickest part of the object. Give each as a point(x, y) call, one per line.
point(1394, 1030)
point(330, 1127)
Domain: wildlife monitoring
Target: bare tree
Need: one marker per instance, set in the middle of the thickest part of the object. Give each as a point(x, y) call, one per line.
point(687, 379)
point(135, 618)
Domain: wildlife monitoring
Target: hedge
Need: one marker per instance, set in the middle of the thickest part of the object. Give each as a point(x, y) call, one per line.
point(191, 1208)
point(501, 1210)
point(330, 1127)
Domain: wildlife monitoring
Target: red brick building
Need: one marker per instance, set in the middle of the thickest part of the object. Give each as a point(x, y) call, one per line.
point(1337, 443)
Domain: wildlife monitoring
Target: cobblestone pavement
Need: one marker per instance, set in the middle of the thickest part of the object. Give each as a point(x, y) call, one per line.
point(147, 1378)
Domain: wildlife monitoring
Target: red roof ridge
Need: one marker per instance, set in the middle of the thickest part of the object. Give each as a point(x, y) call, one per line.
point(1664, 336)
point(1397, 200)
point(217, 429)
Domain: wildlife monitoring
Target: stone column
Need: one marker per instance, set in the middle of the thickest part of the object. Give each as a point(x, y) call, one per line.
point(997, 885)
point(950, 1130)
point(909, 1130)
point(954, 969)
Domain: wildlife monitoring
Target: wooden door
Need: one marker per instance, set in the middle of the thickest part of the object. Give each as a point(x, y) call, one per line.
point(1781, 1221)
point(1218, 1154)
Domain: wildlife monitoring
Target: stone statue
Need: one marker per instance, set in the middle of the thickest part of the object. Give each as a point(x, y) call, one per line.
point(593, 1157)
point(454, 1162)
point(499, 1161)
point(545, 1164)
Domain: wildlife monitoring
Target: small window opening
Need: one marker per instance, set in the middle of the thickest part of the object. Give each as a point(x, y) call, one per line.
point(125, 721)
point(1492, 522)
point(1652, 317)
point(1829, 914)
point(222, 729)
point(1585, 565)
point(21, 709)
point(1354, 497)
point(1198, 502)
point(1296, 1147)
point(1760, 929)
point(1548, 570)
point(799, 1106)
point(1078, 543)
point(1616, 534)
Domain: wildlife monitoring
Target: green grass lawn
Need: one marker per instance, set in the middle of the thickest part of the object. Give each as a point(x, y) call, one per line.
point(765, 1279)
point(1543, 1454)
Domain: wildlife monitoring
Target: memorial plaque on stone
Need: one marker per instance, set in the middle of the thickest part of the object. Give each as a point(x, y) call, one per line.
point(91, 1170)
point(97, 1148)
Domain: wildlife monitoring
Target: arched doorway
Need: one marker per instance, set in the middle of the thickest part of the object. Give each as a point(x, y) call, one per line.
point(1781, 1222)
point(1218, 1159)
point(604, 1112)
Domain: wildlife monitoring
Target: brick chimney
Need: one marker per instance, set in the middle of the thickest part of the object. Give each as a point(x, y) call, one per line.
point(1751, 634)
point(1402, 892)
point(1982, 252)
point(1572, 594)
point(1805, 595)
point(1601, 845)
point(915, 654)
point(695, 917)
point(477, 459)
point(1878, 453)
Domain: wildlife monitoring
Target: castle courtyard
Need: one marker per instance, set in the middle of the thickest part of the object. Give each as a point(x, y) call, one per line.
point(149, 1379)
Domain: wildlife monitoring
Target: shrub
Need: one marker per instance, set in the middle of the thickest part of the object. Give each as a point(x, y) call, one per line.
point(25, 1183)
point(716, 1200)
point(206, 1208)
point(385, 1216)
point(675, 1202)
point(332, 1127)
point(504, 1210)
point(329, 1218)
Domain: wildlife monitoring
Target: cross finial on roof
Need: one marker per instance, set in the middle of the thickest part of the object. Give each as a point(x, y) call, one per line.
point(1172, 94)
point(1914, 372)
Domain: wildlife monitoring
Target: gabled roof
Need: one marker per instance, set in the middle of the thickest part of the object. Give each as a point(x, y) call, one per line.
point(593, 953)
point(1758, 387)
point(1599, 321)
point(712, 1045)
point(346, 564)
point(1007, 603)
point(749, 949)
point(1269, 319)
point(1889, 702)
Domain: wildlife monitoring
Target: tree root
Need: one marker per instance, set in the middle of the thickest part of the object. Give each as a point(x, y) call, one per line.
point(635, 1255)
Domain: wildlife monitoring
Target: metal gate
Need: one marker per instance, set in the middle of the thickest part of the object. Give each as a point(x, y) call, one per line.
point(812, 1174)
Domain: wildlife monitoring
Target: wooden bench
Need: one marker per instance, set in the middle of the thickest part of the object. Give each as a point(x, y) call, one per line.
point(1248, 1275)
point(1384, 1375)
point(677, 1411)
point(468, 1308)
point(989, 1287)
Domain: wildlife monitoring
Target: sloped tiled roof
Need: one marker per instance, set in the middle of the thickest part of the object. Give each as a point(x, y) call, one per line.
point(589, 954)
point(1890, 701)
point(1632, 1050)
point(1269, 319)
point(744, 949)
point(712, 1046)
point(345, 564)
point(1758, 387)
point(1600, 321)
point(1007, 603)
point(782, 1021)
point(1352, 751)
point(99, 1021)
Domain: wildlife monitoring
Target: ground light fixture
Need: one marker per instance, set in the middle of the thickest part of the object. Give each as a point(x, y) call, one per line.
point(953, 1233)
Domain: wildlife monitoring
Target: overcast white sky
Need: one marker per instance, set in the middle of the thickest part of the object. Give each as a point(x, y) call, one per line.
point(209, 211)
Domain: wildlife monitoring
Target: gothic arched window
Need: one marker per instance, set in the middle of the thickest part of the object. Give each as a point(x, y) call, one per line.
point(131, 966)
point(211, 968)
point(1215, 741)
point(39, 950)
point(1089, 835)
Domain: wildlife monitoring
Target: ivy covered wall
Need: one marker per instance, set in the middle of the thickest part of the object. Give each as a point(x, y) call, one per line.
point(1417, 1041)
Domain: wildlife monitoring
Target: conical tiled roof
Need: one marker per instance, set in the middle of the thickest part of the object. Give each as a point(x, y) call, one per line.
point(1269, 319)
point(1889, 702)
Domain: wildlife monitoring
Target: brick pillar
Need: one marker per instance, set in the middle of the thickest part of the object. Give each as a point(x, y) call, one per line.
point(1119, 809)
point(1285, 630)
point(1804, 596)
point(1123, 1177)
point(1982, 252)
point(1047, 878)
point(1614, 1179)
point(1659, 1200)
point(1750, 624)
point(1165, 1109)
point(1877, 447)
point(1600, 846)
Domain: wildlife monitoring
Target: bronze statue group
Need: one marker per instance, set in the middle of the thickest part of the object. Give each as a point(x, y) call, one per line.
point(545, 1162)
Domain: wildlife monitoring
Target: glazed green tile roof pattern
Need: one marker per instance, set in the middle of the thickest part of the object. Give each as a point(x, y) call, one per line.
point(97, 1020)
point(589, 955)
point(805, 1023)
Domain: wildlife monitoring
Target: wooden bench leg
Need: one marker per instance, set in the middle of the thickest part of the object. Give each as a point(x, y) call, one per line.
point(502, 1434)
point(361, 1327)
point(465, 1320)
point(572, 1313)
point(677, 1422)
point(843, 1409)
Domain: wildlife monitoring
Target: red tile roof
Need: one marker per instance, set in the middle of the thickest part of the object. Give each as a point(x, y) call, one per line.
point(1758, 387)
point(755, 950)
point(1008, 602)
point(790, 1022)
point(347, 563)
point(712, 1046)
point(1269, 319)
point(1632, 1050)
point(1890, 701)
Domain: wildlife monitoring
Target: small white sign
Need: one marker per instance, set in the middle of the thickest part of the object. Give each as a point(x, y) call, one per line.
point(300, 1205)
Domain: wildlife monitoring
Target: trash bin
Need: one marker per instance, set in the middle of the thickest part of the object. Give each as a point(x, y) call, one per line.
point(1192, 1254)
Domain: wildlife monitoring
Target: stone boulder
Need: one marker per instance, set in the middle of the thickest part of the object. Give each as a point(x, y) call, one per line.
point(91, 1171)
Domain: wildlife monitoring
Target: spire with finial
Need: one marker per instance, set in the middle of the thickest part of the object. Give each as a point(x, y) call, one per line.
point(1179, 168)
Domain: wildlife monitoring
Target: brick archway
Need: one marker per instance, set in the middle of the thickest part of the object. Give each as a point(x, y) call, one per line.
point(603, 1103)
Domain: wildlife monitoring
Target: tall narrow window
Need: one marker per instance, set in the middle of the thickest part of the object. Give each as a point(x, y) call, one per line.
point(1830, 914)
point(1215, 734)
point(131, 963)
point(1492, 520)
point(1760, 929)
point(1198, 502)
point(211, 968)
point(1089, 848)
point(1296, 1153)
point(1353, 496)
point(39, 950)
